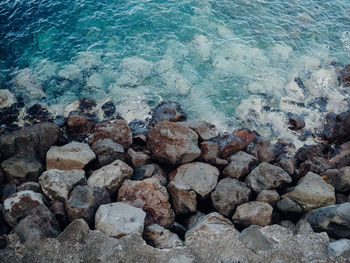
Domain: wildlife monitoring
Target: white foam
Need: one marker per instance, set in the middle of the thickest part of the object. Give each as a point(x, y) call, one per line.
point(203, 46)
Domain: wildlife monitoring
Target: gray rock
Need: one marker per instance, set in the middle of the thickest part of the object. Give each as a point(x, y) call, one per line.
point(159, 237)
point(287, 224)
point(340, 248)
point(210, 153)
point(107, 151)
point(195, 218)
point(32, 186)
point(254, 239)
point(316, 165)
point(167, 111)
point(138, 159)
point(268, 196)
point(84, 202)
point(287, 164)
point(205, 130)
point(267, 177)
point(339, 178)
point(253, 213)
point(148, 171)
point(182, 198)
point(119, 219)
point(239, 165)
point(262, 149)
point(287, 205)
point(57, 184)
point(76, 232)
point(228, 194)
point(303, 228)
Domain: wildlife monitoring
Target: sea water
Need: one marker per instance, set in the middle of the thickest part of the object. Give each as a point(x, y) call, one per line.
point(231, 62)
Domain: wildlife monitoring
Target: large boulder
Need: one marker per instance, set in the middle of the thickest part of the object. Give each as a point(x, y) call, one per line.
point(338, 178)
point(228, 194)
point(150, 196)
point(239, 165)
point(253, 213)
point(57, 184)
point(111, 176)
point(116, 130)
point(336, 127)
point(173, 143)
point(119, 219)
point(267, 177)
point(312, 192)
point(72, 156)
point(160, 237)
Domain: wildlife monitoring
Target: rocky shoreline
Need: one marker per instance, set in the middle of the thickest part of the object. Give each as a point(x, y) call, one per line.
point(93, 188)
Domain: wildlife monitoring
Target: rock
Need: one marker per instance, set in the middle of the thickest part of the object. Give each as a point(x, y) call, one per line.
point(253, 213)
point(210, 153)
point(148, 171)
point(344, 75)
point(38, 113)
point(183, 199)
point(316, 165)
point(287, 205)
point(10, 107)
point(84, 201)
point(340, 248)
point(119, 219)
point(79, 124)
point(312, 192)
point(303, 228)
point(340, 160)
point(205, 130)
point(267, 177)
point(72, 156)
point(60, 121)
point(160, 237)
point(287, 224)
point(333, 219)
point(262, 149)
point(107, 151)
point(228, 194)
point(6, 98)
point(173, 143)
point(38, 224)
point(336, 127)
point(59, 211)
point(111, 176)
point(230, 144)
point(21, 168)
point(83, 105)
point(8, 190)
point(167, 111)
point(32, 186)
point(108, 109)
point(37, 138)
point(341, 198)
point(150, 196)
point(239, 165)
point(116, 130)
point(287, 164)
point(296, 122)
point(138, 159)
point(57, 184)
point(255, 240)
point(307, 152)
point(194, 218)
point(19, 205)
point(139, 129)
point(338, 178)
point(268, 196)
point(200, 177)
point(75, 232)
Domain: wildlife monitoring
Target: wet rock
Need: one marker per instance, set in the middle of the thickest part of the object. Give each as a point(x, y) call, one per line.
point(183, 199)
point(312, 192)
point(32, 186)
point(268, 196)
point(38, 113)
point(205, 130)
point(72, 156)
point(111, 176)
point(59, 211)
point(83, 105)
point(287, 164)
point(57, 184)
point(148, 171)
point(116, 130)
point(230, 144)
point(160, 237)
point(296, 122)
point(167, 111)
point(210, 153)
point(7, 190)
point(253, 213)
point(336, 127)
point(84, 201)
point(107, 151)
point(150, 196)
point(267, 177)
point(138, 127)
point(19, 205)
point(255, 240)
point(338, 178)
point(246, 135)
point(138, 159)
point(262, 149)
point(38, 224)
point(200, 177)
point(228, 194)
point(79, 124)
point(9, 107)
point(119, 219)
point(340, 160)
point(108, 109)
point(6, 98)
point(173, 143)
point(340, 248)
point(344, 75)
point(303, 228)
point(287, 205)
point(333, 219)
point(60, 121)
point(307, 152)
point(316, 165)
point(239, 165)
point(75, 232)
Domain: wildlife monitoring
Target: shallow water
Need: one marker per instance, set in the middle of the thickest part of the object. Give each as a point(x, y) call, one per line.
point(229, 62)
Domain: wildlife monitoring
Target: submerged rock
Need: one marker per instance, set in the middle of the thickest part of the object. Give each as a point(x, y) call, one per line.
point(38, 113)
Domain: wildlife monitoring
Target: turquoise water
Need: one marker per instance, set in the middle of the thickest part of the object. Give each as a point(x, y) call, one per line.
point(223, 60)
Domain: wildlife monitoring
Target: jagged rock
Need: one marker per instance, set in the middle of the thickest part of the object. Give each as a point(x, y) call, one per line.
point(179, 230)
point(173, 143)
point(116, 130)
point(303, 228)
point(255, 240)
point(108, 109)
point(160, 237)
point(75, 232)
point(287, 205)
point(148, 171)
point(72, 156)
point(183, 199)
point(10, 107)
point(340, 248)
point(200, 177)
point(138, 159)
point(344, 75)
point(150, 196)
point(340, 160)
point(19, 205)
point(38, 113)
point(57, 184)
point(316, 165)
point(167, 111)
point(205, 130)
point(32, 186)
point(287, 164)
point(119, 219)
point(228, 194)
point(210, 153)
point(79, 124)
point(262, 149)
point(338, 178)
point(333, 219)
point(107, 151)
point(312, 192)
point(84, 201)
point(336, 127)
point(268, 196)
point(253, 213)
point(239, 165)
point(307, 152)
point(341, 198)
point(59, 211)
point(111, 176)
point(21, 168)
point(230, 144)
point(267, 177)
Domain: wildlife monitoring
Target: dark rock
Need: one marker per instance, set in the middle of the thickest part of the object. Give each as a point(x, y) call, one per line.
point(167, 111)
point(287, 205)
point(336, 127)
point(107, 151)
point(138, 159)
point(262, 149)
point(316, 165)
point(341, 198)
point(344, 75)
point(108, 109)
point(32, 186)
point(255, 240)
point(38, 113)
point(59, 211)
point(183, 199)
point(230, 144)
point(60, 121)
point(9, 114)
point(75, 232)
point(287, 164)
point(7, 190)
point(340, 160)
point(210, 153)
point(79, 125)
point(296, 122)
point(339, 178)
point(148, 171)
point(138, 127)
point(307, 152)
point(179, 229)
point(86, 105)
point(160, 237)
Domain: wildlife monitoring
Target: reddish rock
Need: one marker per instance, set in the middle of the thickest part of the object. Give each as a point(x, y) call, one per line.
point(138, 159)
point(231, 145)
point(340, 160)
point(344, 75)
point(79, 124)
point(246, 135)
point(116, 130)
point(263, 149)
point(150, 196)
point(210, 153)
point(173, 143)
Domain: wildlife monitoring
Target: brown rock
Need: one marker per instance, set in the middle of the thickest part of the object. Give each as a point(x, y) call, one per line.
point(230, 145)
point(182, 198)
point(262, 148)
point(205, 130)
point(253, 213)
point(316, 165)
point(340, 160)
point(138, 159)
point(79, 124)
point(210, 153)
point(246, 135)
point(339, 178)
point(268, 196)
point(107, 151)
